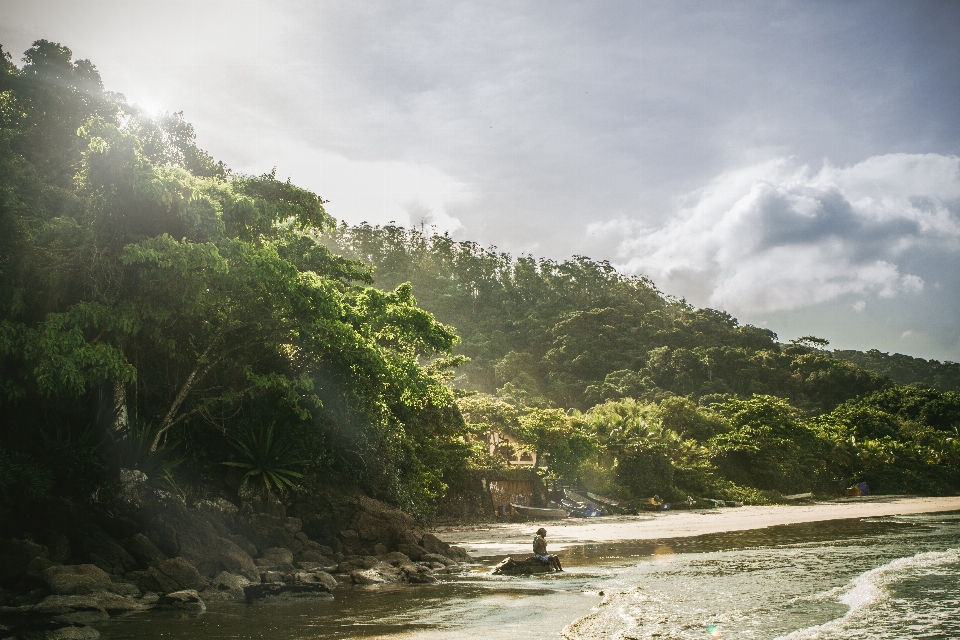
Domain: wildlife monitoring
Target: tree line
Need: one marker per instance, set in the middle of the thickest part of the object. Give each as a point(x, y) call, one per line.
point(221, 332)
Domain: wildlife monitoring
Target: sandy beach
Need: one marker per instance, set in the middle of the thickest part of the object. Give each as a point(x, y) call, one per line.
point(508, 538)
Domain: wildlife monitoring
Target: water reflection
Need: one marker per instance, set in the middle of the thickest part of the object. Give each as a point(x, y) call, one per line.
point(759, 583)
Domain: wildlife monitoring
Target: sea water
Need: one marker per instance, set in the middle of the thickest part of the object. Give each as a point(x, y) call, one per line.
point(892, 577)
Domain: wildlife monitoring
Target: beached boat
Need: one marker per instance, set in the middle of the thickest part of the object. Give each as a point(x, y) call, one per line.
point(613, 505)
point(576, 497)
point(579, 510)
point(799, 496)
point(733, 503)
point(537, 512)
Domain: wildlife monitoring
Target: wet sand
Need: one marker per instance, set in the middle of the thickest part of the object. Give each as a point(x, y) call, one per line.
point(508, 538)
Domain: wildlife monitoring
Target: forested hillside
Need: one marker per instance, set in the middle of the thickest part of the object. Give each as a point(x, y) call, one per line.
point(222, 333)
point(160, 312)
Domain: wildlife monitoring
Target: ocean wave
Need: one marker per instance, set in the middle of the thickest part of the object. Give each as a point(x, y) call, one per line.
point(864, 593)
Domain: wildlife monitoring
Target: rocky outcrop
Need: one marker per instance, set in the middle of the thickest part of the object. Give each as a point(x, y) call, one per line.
point(154, 550)
point(525, 566)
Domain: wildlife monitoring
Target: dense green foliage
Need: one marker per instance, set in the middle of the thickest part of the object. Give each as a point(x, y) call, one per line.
point(659, 397)
point(146, 289)
point(944, 376)
point(160, 312)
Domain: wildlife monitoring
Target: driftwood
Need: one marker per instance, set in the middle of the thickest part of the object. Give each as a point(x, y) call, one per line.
point(526, 566)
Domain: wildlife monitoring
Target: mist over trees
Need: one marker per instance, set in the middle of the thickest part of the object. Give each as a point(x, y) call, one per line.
point(159, 311)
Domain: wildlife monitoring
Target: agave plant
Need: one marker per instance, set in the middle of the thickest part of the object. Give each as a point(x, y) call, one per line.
point(158, 464)
point(267, 459)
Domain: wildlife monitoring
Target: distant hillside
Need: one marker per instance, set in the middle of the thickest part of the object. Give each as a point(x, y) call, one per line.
point(943, 376)
point(578, 332)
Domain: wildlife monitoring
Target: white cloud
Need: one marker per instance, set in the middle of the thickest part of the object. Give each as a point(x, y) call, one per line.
point(859, 305)
point(776, 236)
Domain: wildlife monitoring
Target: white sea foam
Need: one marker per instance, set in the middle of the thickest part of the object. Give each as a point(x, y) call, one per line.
point(868, 590)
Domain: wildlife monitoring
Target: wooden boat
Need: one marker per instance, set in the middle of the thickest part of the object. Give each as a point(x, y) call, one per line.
point(536, 512)
point(733, 503)
point(799, 496)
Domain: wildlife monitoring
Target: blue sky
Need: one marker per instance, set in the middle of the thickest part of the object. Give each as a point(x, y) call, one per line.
point(795, 163)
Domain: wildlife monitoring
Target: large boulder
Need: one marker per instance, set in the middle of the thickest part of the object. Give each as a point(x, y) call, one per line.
point(174, 574)
point(15, 556)
point(187, 601)
point(187, 533)
point(227, 586)
point(104, 551)
point(77, 579)
point(72, 609)
point(315, 577)
point(143, 550)
point(275, 556)
point(525, 566)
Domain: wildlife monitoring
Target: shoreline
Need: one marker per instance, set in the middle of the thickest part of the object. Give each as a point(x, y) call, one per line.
point(498, 539)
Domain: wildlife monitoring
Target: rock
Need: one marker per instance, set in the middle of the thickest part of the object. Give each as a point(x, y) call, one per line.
point(71, 609)
point(379, 574)
point(275, 556)
point(36, 567)
point(220, 511)
point(433, 544)
point(310, 545)
point(379, 549)
point(509, 566)
point(313, 556)
point(50, 630)
point(114, 603)
point(122, 587)
point(243, 543)
point(413, 551)
point(318, 566)
point(350, 538)
point(153, 580)
point(315, 577)
point(418, 574)
point(15, 555)
point(133, 488)
point(395, 558)
point(174, 574)
point(459, 554)
point(86, 609)
point(104, 551)
point(187, 600)
point(182, 572)
point(437, 558)
point(273, 577)
point(282, 592)
point(143, 550)
point(230, 584)
point(187, 533)
point(59, 549)
point(77, 579)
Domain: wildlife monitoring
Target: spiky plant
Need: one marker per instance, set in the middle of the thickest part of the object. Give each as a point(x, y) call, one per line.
point(268, 460)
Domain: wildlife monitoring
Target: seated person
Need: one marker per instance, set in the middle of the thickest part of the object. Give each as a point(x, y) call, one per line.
point(540, 550)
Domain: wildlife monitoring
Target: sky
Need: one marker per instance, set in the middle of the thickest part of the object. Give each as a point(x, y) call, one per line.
point(794, 163)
